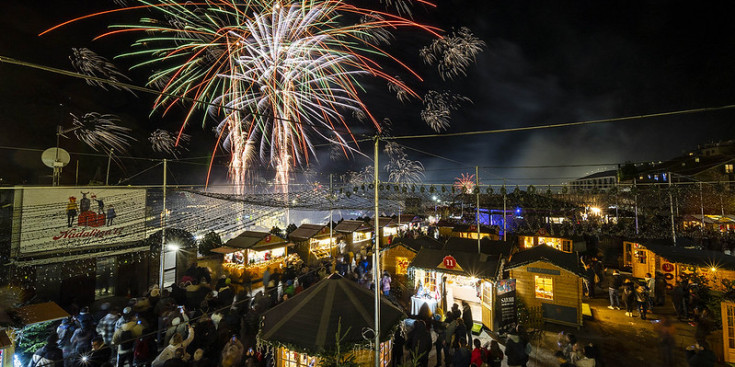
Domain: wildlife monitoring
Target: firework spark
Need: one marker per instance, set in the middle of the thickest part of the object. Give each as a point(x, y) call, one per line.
point(90, 63)
point(101, 132)
point(465, 183)
point(404, 170)
point(397, 87)
point(438, 107)
point(454, 53)
point(274, 75)
point(163, 141)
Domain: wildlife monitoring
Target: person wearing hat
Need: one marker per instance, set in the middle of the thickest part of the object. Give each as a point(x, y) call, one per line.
point(106, 326)
point(614, 284)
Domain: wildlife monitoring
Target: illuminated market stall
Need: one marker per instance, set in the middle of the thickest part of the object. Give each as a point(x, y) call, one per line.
point(442, 278)
point(565, 244)
point(396, 257)
point(313, 242)
point(652, 256)
point(248, 255)
point(355, 233)
point(551, 279)
point(387, 230)
point(470, 231)
point(302, 330)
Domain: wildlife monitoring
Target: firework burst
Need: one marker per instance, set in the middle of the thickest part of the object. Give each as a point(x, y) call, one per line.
point(465, 183)
point(90, 63)
point(275, 76)
point(397, 87)
point(163, 141)
point(101, 132)
point(454, 53)
point(404, 170)
point(438, 107)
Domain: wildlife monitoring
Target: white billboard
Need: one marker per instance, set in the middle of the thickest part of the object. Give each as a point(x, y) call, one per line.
point(53, 218)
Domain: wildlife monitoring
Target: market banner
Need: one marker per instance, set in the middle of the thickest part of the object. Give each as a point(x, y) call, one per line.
point(506, 302)
point(53, 218)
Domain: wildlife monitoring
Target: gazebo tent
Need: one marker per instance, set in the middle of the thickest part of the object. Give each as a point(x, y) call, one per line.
point(305, 327)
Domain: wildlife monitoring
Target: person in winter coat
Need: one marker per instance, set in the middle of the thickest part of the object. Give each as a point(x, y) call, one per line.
point(50, 355)
point(629, 297)
point(82, 339)
point(419, 343)
point(641, 296)
point(385, 283)
point(398, 343)
point(125, 338)
point(459, 333)
point(515, 349)
point(699, 355)
point(468, 321)
point(614, 284)
point(106, 326)
point(177, 341)
point(449, 334)
point(233, 351)
point(65, 332)
point(495, 355)
point(479, 354)
point(101, 353)
point(462, 356)
point(651, 285)
point(440, 328)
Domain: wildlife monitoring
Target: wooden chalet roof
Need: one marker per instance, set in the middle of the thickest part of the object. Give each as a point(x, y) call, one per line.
point(307, 231)
point(564, 260)
point(40, 312)
point(349, 226)
point(487, 246)
point(309, 320)
point(482, 266)
point(473, 228)
point(256, 241)
point(383, 222)
point(416, 244)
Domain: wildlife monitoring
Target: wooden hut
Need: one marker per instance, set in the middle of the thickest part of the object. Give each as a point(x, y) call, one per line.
point(313, 242)
point(444, 277)
point(303, 329)
point(569, 244)
point(356, 234)
point(652, 256)
point(470, 231)
point(248, 255)
point(398, 255)
point(550, 279)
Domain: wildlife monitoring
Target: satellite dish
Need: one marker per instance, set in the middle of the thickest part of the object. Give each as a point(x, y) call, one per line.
point(55, 157)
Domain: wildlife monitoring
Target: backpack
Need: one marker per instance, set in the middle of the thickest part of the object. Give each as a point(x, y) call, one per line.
point(127, 340)
point(141, 351)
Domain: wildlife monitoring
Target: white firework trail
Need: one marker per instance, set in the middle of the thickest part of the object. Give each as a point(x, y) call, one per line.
point(454, 53)
point(90, 63)
point(438, 107)
point(101, 132)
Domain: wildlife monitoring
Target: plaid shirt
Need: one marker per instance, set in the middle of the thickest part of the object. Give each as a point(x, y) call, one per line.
point(106, 327)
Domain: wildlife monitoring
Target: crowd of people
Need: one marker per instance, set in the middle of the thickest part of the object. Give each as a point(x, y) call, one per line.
point(199, 322)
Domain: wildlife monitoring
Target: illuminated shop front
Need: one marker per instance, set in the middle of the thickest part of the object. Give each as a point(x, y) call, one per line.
point(661, 256)
point(396, 257)
point(355, 233)
point(470, 231)
point(248, 255)
point(302, 328)
point(565, 244)
point(549, 279)
point(442, 279)
point(314, 243)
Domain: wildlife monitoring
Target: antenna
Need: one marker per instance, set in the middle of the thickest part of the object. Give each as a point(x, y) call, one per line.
point(56, 158)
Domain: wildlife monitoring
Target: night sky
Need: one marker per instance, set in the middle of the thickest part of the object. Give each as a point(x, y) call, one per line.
point(546, 62)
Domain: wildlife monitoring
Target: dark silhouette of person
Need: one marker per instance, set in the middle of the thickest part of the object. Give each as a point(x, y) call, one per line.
point(100, 204)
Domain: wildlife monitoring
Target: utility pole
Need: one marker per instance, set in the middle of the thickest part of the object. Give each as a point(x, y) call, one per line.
point(477, 219)
point(331, 239)
point(376, 253)
point(505, 216)
point(671, 208)
point(635, 197)
point(163, 227)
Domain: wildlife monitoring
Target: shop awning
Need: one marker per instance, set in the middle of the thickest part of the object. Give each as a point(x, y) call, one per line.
point(40, 312)
point(470, 263)
point(349, 226)
point(257, 241)
point(307, 231)
point(226, 250)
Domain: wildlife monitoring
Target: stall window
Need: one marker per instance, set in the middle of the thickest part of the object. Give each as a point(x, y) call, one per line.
point(293, 359)
point(641, 255)
point(401, 265)
point(487, 294)
point(566, 246)
point(544, 287)
point(527, 242)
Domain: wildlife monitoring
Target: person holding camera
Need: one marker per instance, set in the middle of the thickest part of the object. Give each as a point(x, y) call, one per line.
point(699, 355)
